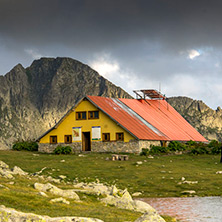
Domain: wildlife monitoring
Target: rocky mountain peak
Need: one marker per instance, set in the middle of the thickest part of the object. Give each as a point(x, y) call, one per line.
point(33, 99)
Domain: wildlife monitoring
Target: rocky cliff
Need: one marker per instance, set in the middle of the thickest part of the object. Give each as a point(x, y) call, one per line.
point(206, 120)
point(33, 99)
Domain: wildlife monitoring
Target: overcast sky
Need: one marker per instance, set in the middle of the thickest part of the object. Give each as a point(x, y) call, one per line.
point(136, 44)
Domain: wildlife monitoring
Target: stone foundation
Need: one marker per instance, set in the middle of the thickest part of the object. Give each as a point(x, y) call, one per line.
point(146, 144)
point(134, 146)
point(49, 148)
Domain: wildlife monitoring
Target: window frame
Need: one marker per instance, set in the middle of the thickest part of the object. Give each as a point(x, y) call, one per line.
point(65, 139)
point(93, 114)
point(51, 139)
point(103, 137)
point(81, 115)
point(122, 136)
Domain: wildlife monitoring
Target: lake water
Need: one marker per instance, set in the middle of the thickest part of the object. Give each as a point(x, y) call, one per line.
point(193, 209)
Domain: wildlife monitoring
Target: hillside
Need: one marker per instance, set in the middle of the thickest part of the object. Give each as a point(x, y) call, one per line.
point(33, 99)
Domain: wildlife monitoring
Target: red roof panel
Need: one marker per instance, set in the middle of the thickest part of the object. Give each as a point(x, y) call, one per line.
point(126, 119)
point(136, 116)
point(165, 118)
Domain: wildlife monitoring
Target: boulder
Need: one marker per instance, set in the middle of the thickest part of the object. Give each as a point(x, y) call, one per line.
point(62, 177)
point(60, 200)
point(4, 187)
point(42, 194)
point(153, 217)
point(6, 173)
point(18, 171)
point(139, 162)
point(3, 165)
point(126, 195)
point(95, 188)
point(42, 187)
point(118, 202)
point(114, 191)
point(56, 191)
point(136, 194)
point(12, 215)
point(142, 207)
point(191, 192)
point(189, 182)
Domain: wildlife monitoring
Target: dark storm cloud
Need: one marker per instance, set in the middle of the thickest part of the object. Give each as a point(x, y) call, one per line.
point(100, 23)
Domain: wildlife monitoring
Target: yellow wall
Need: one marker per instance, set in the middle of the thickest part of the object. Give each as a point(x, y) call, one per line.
point(107, 125)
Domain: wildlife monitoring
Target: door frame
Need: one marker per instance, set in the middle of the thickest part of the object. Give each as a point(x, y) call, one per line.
point(86, 136)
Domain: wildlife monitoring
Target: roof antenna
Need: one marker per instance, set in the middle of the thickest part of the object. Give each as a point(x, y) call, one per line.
point(159, 93)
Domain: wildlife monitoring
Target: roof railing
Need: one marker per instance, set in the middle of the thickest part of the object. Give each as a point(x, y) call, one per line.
point(151, 93)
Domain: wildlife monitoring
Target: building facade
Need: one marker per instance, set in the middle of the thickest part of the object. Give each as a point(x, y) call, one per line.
point(100, 124)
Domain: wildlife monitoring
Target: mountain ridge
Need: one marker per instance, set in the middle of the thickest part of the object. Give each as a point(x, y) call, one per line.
point(34, 98)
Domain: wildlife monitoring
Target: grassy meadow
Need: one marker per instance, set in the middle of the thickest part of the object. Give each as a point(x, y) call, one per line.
point(156, 177)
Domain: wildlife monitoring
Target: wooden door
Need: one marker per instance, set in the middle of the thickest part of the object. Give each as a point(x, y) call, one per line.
point(86, 141)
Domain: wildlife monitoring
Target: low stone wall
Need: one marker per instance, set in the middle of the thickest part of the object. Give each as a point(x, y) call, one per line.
point(116, 146)
point(133, 146)
point(49, 148)
point(146, 144)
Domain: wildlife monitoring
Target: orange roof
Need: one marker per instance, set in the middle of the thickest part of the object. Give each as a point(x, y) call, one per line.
point(148, 120)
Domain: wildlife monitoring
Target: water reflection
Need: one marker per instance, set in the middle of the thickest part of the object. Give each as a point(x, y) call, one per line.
point(195, 209)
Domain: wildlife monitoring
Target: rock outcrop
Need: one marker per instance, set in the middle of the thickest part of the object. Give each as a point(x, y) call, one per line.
point(12, 215)
point(33, 99)
point(56, 191)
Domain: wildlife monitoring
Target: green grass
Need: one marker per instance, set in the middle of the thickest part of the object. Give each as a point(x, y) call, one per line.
point(23, 197)
point(156, 177)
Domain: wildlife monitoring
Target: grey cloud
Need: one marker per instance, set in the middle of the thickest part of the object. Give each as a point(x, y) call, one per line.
point(100, 23)
point(145, 37)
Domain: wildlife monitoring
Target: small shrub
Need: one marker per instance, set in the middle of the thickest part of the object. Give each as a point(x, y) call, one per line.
point(144, 152)
point(67, 150)
point(158, 149)
point(176, 146)
point(25, 145)
point(191, 143)
point(215, 147)
point(199, 150)
point(62, 150)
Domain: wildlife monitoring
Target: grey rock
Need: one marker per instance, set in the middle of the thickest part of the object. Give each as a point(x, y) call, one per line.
point(42, 194)
point(60, 200)
point(191, 192)
point(150, 217)
point(56, 191)
point(28, 104)
point(3, 165)
point(12, 215)
point(136, 194)
point(18, 171)
point(6, 173)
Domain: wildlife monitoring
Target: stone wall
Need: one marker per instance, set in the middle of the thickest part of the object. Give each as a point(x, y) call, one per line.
point(146, 144)
point(116, 146)
point(133, 146)
point(48, 148)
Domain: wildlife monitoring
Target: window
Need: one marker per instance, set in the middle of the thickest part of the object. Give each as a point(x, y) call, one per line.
point(93, 115)
point(119, 137)
point(53, 139)
point(80, 115)
point(106, 136)
point(68, 138)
